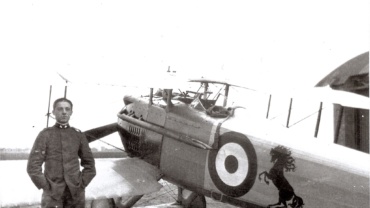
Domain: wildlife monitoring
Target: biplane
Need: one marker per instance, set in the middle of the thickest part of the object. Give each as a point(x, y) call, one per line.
point(209, 149)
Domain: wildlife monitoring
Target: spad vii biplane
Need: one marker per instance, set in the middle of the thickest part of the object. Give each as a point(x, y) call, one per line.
point(209, 149)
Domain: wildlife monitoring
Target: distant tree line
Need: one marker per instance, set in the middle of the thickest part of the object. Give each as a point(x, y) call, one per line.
point(14, 154)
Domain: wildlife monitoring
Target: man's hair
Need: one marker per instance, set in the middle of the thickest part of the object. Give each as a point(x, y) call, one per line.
point(62, 100)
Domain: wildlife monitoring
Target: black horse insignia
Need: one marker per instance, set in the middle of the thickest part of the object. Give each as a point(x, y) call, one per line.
point(281, 158)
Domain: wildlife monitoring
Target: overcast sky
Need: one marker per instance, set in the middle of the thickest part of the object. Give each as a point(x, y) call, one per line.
point(278, 44)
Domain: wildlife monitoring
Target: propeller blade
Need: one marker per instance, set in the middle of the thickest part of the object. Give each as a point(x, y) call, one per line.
point(100, 132)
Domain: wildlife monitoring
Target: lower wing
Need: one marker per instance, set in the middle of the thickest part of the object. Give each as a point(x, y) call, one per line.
point(114, 178)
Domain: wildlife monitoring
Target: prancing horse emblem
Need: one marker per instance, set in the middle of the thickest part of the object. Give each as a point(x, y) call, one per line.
point(281, 158)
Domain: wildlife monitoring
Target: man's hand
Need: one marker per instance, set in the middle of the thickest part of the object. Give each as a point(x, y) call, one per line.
point(47, 187)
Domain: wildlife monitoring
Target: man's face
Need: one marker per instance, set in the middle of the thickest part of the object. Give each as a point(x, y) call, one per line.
point(62, 112)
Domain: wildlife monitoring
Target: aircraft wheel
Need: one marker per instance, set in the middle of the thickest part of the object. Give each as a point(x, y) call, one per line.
point(233, 167)
point(191, 199)
point(102, 203)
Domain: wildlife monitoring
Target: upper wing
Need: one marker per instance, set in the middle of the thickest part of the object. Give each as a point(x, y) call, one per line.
point(115, 178)
point(123, 177)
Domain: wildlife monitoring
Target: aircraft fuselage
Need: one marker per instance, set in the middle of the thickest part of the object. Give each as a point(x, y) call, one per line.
point(241, 161)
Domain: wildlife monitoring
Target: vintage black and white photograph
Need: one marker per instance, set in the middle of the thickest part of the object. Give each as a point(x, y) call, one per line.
point(166, 103)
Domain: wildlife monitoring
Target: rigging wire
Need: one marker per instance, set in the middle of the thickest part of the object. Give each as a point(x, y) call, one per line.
point(105, 142)
point(170, 190)
point(315, 112)
point(112, 145)
point(282, 113)
point(160, 195)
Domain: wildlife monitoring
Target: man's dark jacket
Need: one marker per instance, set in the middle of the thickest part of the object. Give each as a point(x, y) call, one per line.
point(60, 148)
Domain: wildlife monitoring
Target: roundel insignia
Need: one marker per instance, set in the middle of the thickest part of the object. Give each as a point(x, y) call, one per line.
point(233, 167)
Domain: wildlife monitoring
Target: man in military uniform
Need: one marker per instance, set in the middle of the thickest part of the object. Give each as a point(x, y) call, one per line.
point(60, 147)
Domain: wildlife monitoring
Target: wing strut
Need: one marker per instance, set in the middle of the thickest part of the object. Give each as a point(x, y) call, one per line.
point(318, 121)
point(338, 125)
point(290, 110)
point(268, 107)
point(65, 88)
point(226, 94)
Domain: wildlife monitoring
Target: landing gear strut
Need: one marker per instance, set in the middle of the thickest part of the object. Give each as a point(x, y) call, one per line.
point(188, 198)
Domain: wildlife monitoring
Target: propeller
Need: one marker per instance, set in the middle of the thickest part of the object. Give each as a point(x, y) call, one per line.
point(100, 132)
